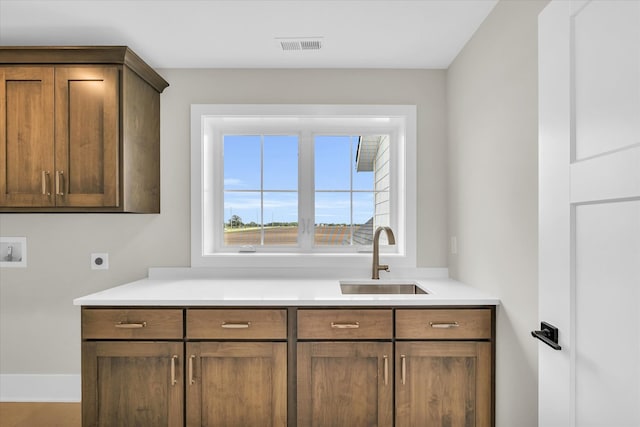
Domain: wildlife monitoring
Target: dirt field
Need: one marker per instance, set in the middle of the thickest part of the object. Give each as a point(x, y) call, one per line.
point(328, 235)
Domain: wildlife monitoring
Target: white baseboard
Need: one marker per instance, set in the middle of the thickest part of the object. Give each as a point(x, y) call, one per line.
point(39, 388)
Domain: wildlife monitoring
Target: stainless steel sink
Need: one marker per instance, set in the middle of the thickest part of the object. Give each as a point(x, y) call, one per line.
point(381, 288)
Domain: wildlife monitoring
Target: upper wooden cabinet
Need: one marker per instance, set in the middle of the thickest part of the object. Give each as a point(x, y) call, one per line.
point(79, 130)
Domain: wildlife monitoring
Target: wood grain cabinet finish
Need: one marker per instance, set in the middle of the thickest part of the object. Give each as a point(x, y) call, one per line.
point(79, 131)
point(339, 324)
point(132, 384)
point(442, 384)
point(345, 384)
point(443, 323)
point(232, 383)
point(444, 369)
point(237, 324)
point(236, 384)
point(101, 323)
point(304, 367)
point(26, 136)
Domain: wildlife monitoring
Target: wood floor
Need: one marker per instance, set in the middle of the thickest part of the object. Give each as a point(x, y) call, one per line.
point(40, 414)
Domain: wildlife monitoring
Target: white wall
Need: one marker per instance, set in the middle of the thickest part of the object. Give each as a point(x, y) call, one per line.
point(492, 118)
point(39, 327)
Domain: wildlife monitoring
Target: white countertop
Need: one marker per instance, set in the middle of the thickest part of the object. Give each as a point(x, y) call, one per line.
point(278, 292)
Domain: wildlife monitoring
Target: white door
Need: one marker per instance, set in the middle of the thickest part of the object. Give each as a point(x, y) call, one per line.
point(589, 247)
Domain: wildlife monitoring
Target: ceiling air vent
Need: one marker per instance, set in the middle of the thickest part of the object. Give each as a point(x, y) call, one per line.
point(288, 44)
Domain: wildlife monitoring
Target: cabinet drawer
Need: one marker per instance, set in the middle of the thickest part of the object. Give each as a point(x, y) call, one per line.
point(236, 324)
point(132, 324)
point(443, 324)
point(345, 324)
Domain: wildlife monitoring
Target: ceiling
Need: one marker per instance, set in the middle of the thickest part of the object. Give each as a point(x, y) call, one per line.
point(245, 33)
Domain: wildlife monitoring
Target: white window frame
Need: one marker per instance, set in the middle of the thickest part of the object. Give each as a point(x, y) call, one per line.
point(210, 121)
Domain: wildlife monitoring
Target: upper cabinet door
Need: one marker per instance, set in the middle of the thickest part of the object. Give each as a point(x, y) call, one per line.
point(86, 137)
point(26, 136)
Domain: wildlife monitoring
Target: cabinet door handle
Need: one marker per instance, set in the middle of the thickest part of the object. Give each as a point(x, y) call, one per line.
point(350, 325)
point(125, 325)
point(59, 183)
point(174, 381)
point(191, 380)
point(45, 183)
point(385, 361)
point(235, 325)
point(403, 369)
point(444, 325)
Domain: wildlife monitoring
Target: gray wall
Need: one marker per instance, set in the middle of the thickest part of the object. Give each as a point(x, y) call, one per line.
point(492, 118)
point(39, 327)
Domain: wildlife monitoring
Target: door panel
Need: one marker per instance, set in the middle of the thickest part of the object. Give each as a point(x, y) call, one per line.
point(342, 384)
point(87, 136)
point(237, 384)
point(442, 384)
point(606, 69)
point(26, 136)
point(132, 384)
point(589, 99)
point(607, 325)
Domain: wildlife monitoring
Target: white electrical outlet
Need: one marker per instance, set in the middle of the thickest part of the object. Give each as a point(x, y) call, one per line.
point(100, 261)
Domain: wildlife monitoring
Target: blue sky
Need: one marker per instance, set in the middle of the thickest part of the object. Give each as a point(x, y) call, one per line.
point(334, 164)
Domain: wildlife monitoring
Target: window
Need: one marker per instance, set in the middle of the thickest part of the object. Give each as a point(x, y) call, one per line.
point(260, 196)
point(270, 182)
point(344, 191)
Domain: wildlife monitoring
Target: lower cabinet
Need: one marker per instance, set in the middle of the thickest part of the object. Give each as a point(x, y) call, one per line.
point(236, 384)
point(345, 384)
point(442, 384)
point(288, 367)
point(132, 384)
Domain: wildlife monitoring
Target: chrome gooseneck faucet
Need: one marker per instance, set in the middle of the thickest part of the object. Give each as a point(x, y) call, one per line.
point(375, 274)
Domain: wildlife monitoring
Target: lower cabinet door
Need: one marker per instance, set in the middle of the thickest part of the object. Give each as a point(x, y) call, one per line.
point(128, 384)
point(345, 384)
point(241, 384)
point(442, 384)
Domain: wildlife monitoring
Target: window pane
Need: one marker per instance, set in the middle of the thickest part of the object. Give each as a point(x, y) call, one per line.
point(333, 219)
point(363, 218)
point(241, 162)
point(280, 218)
point(333, 162)
point(242, 218)
point(280, 162)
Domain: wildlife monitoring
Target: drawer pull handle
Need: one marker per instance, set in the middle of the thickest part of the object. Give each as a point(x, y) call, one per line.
point(191, 380)
point(444, 325)
point(174, 381)
point(235, 325)
point(385, 359)
point(352, 325)
point(403, 369)
point(45, 184)
point(125, 325)
point(59, 183)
